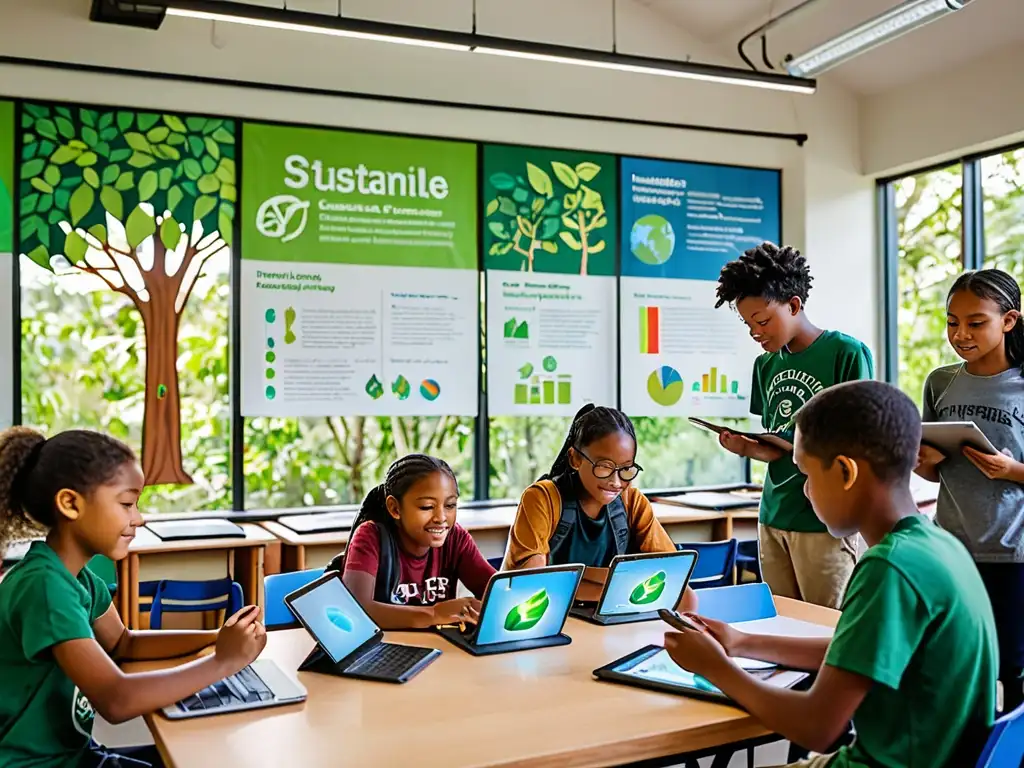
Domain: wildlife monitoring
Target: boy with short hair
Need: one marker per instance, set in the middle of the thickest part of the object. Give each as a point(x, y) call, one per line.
point(914, 657)
point(768, 286)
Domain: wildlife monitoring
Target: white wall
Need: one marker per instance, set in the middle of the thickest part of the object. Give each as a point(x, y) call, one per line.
point(827, 203)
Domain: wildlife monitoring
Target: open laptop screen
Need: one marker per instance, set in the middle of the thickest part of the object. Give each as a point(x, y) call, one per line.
point(334, 618)
point(526, 606)
point(646, 584)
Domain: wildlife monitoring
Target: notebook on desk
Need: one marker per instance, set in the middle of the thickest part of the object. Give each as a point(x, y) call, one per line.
point(179, 530)
point(718, 501)
point(322, 522)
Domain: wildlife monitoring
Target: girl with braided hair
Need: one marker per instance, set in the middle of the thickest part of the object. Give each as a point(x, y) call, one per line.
point(586, 510)
point(407, 554)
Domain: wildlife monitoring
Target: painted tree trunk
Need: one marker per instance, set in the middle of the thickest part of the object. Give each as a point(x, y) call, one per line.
point(584, 247)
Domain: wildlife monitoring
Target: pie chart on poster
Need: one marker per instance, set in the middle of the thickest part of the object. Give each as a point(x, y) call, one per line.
point(665, 386)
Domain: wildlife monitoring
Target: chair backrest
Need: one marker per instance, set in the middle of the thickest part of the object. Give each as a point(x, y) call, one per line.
point(744, 602)
point(275, 587)
point(194, 597)
point(496, 562)
point(715, 563)
point(1005, 745)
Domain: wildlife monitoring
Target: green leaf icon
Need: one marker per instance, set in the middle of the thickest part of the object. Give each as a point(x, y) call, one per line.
point(525, 371)
point(550, 364)
point(374, 388)
point(648, 590)
point(526, 615)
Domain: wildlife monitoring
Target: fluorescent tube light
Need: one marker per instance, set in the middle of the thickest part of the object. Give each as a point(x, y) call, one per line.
point(887, 26)
point(667, 70)
point(290, 26)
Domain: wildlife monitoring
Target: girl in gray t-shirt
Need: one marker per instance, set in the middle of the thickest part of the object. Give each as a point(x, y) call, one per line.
point(981, 497)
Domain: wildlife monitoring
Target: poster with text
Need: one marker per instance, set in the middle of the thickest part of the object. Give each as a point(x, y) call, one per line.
point(682, 222)
point(6, 257)
point(360, 290)
point(549, 252)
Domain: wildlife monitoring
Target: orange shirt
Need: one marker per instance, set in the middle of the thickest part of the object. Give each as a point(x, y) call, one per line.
point(540, 508)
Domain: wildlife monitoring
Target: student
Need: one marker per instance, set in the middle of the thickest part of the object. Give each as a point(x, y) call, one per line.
point(59, 633)
point(914, 657)
point(585, 510)
point(768, 286)
point(407, 554)
point(981, 498)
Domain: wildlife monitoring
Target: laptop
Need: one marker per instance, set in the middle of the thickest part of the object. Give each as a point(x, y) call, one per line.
point(349, 644)
point(261, 684)
point(181, 530)
point(638, 586)
point(322, 522)
point(521, 610)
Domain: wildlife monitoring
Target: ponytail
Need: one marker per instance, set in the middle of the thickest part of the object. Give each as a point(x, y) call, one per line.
point(590, 424)
point(1000, 287)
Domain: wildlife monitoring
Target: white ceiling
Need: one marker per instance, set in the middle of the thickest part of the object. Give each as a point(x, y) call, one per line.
point(981, 27)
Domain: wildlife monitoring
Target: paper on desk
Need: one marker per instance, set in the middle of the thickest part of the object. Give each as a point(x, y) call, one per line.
point(777, 625)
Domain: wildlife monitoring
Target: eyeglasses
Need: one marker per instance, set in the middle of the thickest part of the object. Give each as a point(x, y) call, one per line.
point(605, 469)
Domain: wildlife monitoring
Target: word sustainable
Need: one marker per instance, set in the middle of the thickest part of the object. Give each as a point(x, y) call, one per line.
point(411, 183)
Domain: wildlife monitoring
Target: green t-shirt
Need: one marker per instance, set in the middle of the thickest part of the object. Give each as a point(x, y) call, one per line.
point(783, 382)
point(917, 621)
point(44, 719)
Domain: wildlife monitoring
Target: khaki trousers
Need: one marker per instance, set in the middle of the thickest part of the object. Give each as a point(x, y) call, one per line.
point(813, 567)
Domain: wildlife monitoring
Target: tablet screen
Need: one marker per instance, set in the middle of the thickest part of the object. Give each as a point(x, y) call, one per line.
point(526, 606)
point(334, 618)
point(657, 666)
point(646, 584)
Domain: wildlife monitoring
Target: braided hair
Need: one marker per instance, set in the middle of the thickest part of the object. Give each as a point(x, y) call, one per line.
point(1000, 287)
point(589, 425)
point(770, 272)
point(33, 470)
point(401, 476)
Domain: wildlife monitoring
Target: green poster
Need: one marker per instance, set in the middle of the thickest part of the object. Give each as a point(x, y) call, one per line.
point(6, 176)
point(549, 210)
point(328, 196)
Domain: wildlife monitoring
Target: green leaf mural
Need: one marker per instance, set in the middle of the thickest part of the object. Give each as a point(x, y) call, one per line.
point(548, 210)
point(113, 194)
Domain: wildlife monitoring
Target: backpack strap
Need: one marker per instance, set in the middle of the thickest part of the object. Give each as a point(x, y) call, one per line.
point(620, 524)
point(567, 515)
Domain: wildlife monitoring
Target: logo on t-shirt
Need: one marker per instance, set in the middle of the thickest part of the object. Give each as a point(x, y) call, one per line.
point(787, 392)
point(82, 713)
point(434, 590)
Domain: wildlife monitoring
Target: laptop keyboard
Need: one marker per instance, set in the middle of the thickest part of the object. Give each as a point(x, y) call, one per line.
point(389, 661)
point(243, 687)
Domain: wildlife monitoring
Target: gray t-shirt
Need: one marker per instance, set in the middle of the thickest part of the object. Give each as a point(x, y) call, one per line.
point(986, 515)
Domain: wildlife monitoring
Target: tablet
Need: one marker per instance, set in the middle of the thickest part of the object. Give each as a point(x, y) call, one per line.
point(184, 530)
point(950, 437)
point(651, 667)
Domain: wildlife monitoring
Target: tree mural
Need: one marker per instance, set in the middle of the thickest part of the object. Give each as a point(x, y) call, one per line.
point(141, 201)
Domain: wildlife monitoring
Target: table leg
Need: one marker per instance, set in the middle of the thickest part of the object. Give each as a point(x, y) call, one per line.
point(133, 592)
point(123, 588)
point(248, 572)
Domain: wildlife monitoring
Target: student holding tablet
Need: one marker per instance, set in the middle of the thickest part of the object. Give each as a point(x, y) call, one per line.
point(981, 494)
point(914, 656)
point(586, 510)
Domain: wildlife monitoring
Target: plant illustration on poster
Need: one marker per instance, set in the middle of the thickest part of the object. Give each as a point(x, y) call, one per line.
point(6, 251)
point(549, 229)
point(360, 293)
point(140, 200)
point(682, 222)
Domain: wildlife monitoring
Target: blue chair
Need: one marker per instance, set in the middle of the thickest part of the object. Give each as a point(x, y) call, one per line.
point(194, 597)
point(743, 602)
point(1005, 745)
point(748, 558)
point(715, 563)
point(495, 562)
point(276, 586)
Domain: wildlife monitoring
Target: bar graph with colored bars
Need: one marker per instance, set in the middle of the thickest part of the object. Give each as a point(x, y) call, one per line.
point(650, 330)
point(712, 382)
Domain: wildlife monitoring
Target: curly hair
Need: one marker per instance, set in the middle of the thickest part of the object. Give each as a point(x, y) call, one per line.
point(767, 271)
point(33, 470)
point(867, 420)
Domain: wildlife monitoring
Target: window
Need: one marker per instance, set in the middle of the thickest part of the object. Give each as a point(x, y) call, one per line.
point(1002, 181)
point(929, 224)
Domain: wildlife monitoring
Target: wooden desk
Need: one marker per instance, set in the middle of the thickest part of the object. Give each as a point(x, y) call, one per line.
point(540, 708)
point(151, 559)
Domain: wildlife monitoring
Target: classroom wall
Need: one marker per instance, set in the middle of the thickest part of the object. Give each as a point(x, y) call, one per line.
point(828, 205)
point(975, 107)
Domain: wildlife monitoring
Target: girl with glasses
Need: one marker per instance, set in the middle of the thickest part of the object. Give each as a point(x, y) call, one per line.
point(585, 510)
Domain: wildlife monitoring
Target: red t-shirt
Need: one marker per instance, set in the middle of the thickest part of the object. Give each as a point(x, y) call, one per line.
point(429, 579)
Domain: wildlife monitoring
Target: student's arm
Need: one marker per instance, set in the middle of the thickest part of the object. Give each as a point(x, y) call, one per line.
point(928, 458)
point(123, 644)
point(119, 697)
point(743, 446)
point(650, 536)
point(1001, 466)
point(473, 569)
point(532, 529)
point(806, 653)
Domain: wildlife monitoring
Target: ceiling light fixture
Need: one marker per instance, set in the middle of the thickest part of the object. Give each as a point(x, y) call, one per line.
point(277, 18)
point(895, 22)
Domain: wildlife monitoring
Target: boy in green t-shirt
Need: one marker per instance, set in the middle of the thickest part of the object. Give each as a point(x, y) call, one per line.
point(914, 657)
point(769, 286)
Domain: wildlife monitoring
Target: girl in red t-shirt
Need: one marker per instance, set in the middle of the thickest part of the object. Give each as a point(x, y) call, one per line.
point(407, 554)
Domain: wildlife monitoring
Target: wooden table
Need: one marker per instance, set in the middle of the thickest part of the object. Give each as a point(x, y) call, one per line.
point(151, 559)
point(540, 708)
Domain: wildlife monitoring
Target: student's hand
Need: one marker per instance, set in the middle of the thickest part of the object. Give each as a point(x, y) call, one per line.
point(750, 449)
point(929, 457)
point(698, 652)
point(730, 639)
point(462, 610)
point(241, 639)
point(999, 466)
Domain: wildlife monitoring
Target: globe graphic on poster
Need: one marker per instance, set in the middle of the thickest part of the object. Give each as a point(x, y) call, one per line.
point(652, 239)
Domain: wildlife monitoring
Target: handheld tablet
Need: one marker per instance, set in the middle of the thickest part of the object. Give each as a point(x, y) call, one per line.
point(950, 437)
